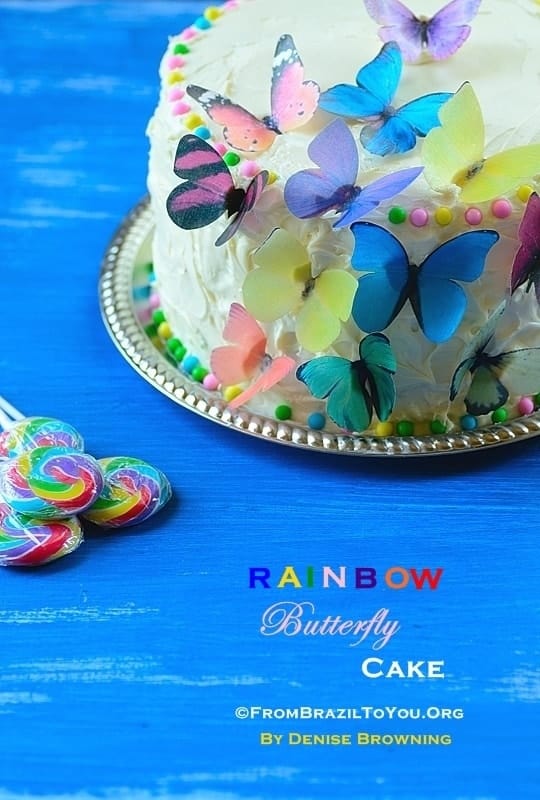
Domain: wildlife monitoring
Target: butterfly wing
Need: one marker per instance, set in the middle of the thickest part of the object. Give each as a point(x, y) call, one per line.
point(377, 84)
point(472, 355)
point(330, 302)
point(238, 362)
point(458, 144)
point(398, 24)
point(380, 361)
point(277, 369)
point(312, 192)
point(486, 392)
point(382, 294)
point(440, 302)
point(526, 266)
point(502, 173)
point(333, 378)
point(241, 130)
point(394, 135)
point(374, 193)
point(202, 198)
point(520, 369)
point(422, 114)
point(448, 29)
point(293, 100)
point(253, 192)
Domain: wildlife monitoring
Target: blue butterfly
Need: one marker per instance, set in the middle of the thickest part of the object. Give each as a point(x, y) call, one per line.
point(519, 368)
point(437, 300)
point(388, 130)
point(354, 388)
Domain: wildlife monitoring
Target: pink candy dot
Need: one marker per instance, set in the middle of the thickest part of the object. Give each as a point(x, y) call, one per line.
point(174, 62)
point(230, 4)
point(144, 315)
point(501, 208)
point(180, 108)
point(188, 34)
point(210, 382)
point(221, 148)
point(419, 217)
point(473, 216)
point(526, 405)
point(248, 169)
point(154, 301)
point(176, 93)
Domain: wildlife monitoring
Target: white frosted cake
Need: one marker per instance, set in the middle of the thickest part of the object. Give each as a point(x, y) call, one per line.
point(398, 299)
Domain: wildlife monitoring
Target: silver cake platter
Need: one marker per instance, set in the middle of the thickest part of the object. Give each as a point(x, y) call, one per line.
point(121, 273)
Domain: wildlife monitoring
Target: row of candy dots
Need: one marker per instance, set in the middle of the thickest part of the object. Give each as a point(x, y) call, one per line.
point(419, 217)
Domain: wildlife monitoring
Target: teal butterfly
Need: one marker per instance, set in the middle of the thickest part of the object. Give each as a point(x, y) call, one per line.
point(354, 389)
point(519, 369)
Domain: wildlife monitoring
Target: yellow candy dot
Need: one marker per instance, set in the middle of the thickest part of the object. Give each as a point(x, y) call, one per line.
point(443, 216)
point(272, 177)
point(175, 77)
point(525, 191)
point(164, 330)
point(212, 13)
point(193, 121)
point(230, 392)
point(384, 429)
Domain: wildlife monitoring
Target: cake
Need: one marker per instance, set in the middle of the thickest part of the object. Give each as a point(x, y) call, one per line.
point(400, 299)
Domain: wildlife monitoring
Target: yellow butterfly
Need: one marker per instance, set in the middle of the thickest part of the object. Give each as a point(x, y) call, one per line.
point(454, 154)
point(283, 284)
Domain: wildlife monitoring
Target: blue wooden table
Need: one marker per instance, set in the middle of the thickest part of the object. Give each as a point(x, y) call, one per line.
point(126, 668)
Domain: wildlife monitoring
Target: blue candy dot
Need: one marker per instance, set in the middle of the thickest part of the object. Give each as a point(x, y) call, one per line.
point(316, 421)
point(202, 24)
point(141, 292)
point(189, 363)
point(202, 132)
point(468, 422)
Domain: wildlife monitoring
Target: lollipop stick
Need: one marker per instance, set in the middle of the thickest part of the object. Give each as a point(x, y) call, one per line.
point(8, 413)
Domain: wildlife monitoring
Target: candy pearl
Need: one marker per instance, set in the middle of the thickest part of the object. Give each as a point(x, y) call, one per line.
point(154, 302)
point(526, 405)
point(210, 382)
point(193, 121)
point(180, 49)
point(181, 108)
point(158, 316)
point(316, 421)
point(221, 148)
point(443, 216)
point(405, 428)
point(419, 217)
point(176, 61)
point(199, 373)
point(501, 208)
point(437, 426)
point(133, 491)
point(499, 415)
point(202, 132)
point(468, 422)
point(30, 542)
point(231, 392)
point(384, 429)
point(248, 169)
point(188, 34)
point(175, 77)
point(397, 215)
point(35, 432)
point(230, 5)
point(283, 412)
point(176, 93)
point(524, 192)
point(231, 159)
point(189, 363)
point(212, 13)
point(50, 482)
point(202, 23)
point(473, 216)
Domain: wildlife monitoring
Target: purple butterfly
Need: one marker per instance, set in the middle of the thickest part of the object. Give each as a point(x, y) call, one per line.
point(439, 36)
point(332, 187)
point(526, 267)
point(209, 190)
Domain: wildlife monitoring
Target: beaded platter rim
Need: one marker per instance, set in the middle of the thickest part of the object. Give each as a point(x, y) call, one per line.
point(116, 284)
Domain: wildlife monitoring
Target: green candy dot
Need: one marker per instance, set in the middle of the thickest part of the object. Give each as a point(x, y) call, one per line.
point(499, 415)
point(179, 352)
point(199, 374)
point(437, 426)
point(173, 343)
point(181, 49)
point(148, 267)
point(397, 215)
point(283, 412)
point(158, 316)
point(150, 330)
point(231, 159)
point(405, 428)
point(536, 399)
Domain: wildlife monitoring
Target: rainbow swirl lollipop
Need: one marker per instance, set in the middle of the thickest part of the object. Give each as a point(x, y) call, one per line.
point(133, 491)
point(30, 542)
point(34, 432)
point(50, 482)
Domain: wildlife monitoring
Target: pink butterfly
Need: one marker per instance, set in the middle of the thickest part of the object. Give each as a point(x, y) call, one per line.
point(293, 102)
point(439, 36)
point(246, 357)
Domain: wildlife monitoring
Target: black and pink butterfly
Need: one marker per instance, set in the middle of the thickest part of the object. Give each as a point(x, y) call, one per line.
point(208, 190)
point(293, 102)
point(526, 266)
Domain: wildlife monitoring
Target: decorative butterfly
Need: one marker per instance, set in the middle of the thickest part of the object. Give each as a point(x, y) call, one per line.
point(354, 389)
point(388, 130)
point(437, 300)
point(454, 154)
point(519, 368)
point(313, 192)
point(283, 283)
point(246, 358)
point(526, 267)
point(293, 102)
point(209, 190)
point(438, 37)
